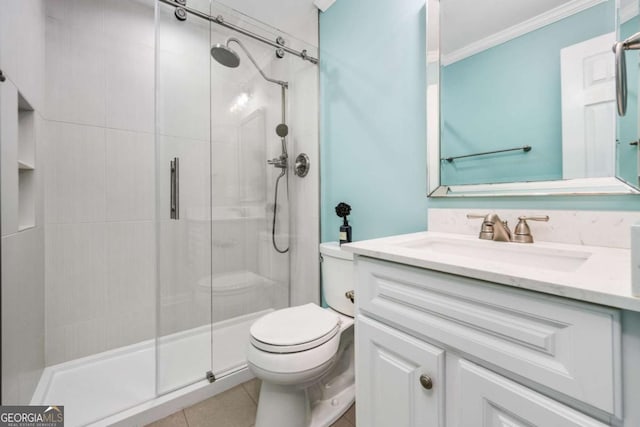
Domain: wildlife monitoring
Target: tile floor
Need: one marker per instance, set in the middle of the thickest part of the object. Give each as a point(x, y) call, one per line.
point(233, 408)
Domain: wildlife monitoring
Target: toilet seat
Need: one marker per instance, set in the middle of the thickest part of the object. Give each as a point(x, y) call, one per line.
point(292, 368)
point(295, 329)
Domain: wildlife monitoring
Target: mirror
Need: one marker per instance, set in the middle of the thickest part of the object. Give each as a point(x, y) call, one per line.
point(521, 98)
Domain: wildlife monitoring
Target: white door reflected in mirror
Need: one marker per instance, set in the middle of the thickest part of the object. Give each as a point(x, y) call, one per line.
point(588, 108)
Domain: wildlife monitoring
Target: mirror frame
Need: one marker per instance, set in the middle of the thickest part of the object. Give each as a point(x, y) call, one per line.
point(435, 188)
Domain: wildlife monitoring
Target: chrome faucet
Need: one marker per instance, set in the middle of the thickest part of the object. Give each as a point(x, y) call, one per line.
point(493, 228)
point(497, 230)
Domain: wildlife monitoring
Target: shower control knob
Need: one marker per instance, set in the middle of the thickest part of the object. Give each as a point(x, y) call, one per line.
point(425, 382)
point(2, 77)
point(302, 165)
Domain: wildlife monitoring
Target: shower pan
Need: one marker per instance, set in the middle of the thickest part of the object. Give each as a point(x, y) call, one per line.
point(220, 230)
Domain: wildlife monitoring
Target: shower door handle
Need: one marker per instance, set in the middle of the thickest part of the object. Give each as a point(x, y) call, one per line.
point(619, 48)
point(175, 188)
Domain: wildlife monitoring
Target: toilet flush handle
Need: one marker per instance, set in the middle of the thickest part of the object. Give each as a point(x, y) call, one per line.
point(351, 295)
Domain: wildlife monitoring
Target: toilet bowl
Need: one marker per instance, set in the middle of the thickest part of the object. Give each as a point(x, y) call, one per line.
point(304, 354)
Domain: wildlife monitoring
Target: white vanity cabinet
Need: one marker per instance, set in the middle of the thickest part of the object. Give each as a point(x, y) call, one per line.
point(491, 400)
point(496, 355)
point(398, 377)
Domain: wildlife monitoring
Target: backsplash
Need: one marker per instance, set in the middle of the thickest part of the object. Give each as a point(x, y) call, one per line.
point(591, 228)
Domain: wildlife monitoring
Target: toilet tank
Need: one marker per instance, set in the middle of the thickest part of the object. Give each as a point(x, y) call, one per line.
point(337, 277)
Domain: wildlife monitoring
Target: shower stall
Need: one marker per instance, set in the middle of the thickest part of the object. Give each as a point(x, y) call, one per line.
point(176, 200)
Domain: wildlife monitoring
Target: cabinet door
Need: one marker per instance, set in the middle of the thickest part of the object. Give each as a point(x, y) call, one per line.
point(547, 340)
point(389, 387)
point(490, 400)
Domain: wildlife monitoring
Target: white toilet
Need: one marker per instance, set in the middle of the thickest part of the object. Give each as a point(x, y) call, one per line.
point(304, 354)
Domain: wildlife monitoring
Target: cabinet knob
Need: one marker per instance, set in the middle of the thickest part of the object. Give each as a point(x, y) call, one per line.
point(426, 382)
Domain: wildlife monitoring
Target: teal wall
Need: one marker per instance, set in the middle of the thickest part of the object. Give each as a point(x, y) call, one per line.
point(372, 96)
point(509, 96)
point(373, 127)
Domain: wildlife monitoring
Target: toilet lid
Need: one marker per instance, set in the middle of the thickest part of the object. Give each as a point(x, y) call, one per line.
point(294, 329)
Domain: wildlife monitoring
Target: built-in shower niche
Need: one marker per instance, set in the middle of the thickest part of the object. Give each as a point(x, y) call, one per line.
point(26, 165)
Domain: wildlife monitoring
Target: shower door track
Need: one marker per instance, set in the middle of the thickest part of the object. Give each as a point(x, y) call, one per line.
point(219, 19)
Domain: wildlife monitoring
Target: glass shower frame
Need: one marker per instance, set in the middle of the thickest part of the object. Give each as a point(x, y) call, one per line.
point(217, 271)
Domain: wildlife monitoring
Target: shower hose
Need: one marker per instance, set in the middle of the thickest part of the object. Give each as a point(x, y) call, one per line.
point(275, 210)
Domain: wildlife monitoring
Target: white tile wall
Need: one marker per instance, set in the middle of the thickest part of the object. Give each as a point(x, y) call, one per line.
point(225, 181)
point(76, 272)
point(83, 15)
point(130, 167)
point(76, 68)
point(86, 337)
point(22, 45)
point(129, 67)
point(129, 327)
point(100, 60)
point(100, 193)
point(305, 220)
point(183, 93)
point(22, 315)
point(75, 173)
point(22, 61)
point(130, 21)
point(9, 157)
point(130, 278)
point(98, 272)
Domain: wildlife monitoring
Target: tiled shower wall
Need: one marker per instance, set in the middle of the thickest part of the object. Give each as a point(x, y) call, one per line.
point(86, 67)
point(100, 189)
point(99, 198)
point(23, 292)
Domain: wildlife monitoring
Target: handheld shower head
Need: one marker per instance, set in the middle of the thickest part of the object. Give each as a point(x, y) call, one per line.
point(282, 130)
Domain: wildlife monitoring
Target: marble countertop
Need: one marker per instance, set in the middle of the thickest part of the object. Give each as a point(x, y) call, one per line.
point(601, 276)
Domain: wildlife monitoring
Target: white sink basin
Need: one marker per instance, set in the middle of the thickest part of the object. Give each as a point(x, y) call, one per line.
point(522, 254)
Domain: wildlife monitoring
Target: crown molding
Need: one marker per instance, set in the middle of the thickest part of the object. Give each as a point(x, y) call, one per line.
point(628, 11)
point(532, 24)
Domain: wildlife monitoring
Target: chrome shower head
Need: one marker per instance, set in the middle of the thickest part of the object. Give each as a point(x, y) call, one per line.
point(229, 58)
point(225, 55)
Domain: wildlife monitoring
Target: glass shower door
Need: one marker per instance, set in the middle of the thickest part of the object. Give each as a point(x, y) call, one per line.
point(223, 238)
point(183, 186)
point(249, 277)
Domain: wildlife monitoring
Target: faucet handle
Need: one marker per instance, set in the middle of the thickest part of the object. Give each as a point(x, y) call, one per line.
point(476, 216)
point(486, 231)
point(522, 232)
point(544, 218)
